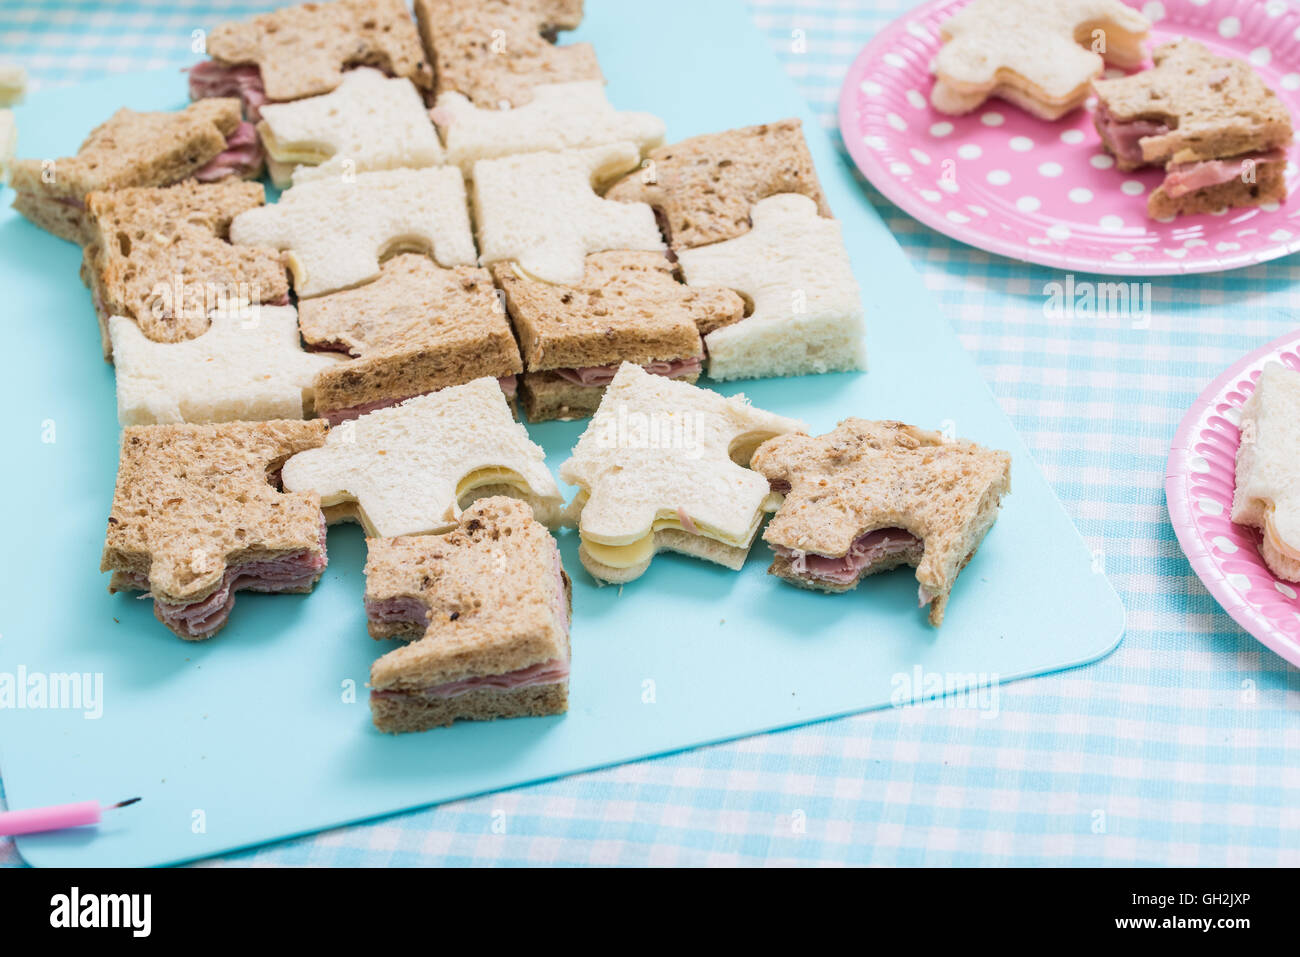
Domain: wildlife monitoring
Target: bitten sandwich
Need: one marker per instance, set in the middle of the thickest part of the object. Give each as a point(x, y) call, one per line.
point(870, 496)
point(1267, 496)
point(206, 141)
point(488, 605)
point(1219, 132)
point(198, 514)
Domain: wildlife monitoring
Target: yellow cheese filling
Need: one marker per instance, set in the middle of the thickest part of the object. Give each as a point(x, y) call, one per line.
point(641, 550)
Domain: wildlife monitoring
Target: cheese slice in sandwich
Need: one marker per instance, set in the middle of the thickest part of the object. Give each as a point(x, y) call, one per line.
point(488, 606)
point(1267, 494)
point(662, 466)
point(870, 496)
point(409, 469)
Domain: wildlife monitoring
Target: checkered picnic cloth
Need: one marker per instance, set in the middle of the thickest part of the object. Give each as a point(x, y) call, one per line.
point(1179, 748)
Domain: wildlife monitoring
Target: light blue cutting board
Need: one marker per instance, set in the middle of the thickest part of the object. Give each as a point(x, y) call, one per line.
point(248, 738)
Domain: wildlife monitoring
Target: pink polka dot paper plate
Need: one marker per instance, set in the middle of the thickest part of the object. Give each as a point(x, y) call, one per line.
point(1199, 481)
point(1007, 182)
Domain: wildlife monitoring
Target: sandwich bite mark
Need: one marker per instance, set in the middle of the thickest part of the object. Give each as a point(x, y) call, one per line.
point(488, 605)
point(1267, 494)
point(870, 496)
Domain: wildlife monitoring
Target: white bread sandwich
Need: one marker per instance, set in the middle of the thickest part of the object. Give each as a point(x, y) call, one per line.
point(542, 210)
point(1267, 496)
point(303, 50)
point(8, 143)
point(628, 307)
point(560, 116)
point(368, 122)
point(662, 466)
point(335, 232)
point(496, 52)
point(489, 606)
point(411, 468)
point(247, 366)
point(206, 141)
point(1038, 54)
point(161, 256)
point(416, 329)
point(1219, 132)
point(870, 496)
point(198, 515)
point(792, 266)
point(13, 84)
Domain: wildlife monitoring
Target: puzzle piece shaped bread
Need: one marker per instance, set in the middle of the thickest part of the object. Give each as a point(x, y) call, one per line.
point(369, 122)
point(807, 309)
point(932, 499)
point(1267, 495)
point(303, 50)
point(662, 466)
point(247, 366)
point(336, 231)
point(541, 210)
point(560, 116)
point(1038, 54)
point(496, 52)
point(407, 470)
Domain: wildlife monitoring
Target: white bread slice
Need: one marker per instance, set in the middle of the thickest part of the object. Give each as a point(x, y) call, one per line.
point(561, 116)
point(13, 84)
point(541, 210)
point(807, 309)
point(1267, 496)
point(336, 231)
point(661, 455)
point(406, 470)
point(369, 122)
point(8, 143)
point(248, 366)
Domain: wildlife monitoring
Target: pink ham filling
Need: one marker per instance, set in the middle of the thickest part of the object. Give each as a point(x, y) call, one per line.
point(242, 156)
point(1125, 139)
point(243, 80)
point(200, 619)
point(604, 375)
point(334, 416)
point(866, 550)
point(1184, 178)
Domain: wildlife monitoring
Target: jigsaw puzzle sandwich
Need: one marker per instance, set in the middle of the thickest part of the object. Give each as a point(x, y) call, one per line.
point(1267, 493)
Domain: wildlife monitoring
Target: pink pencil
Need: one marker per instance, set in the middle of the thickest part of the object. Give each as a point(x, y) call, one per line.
point(55, 818)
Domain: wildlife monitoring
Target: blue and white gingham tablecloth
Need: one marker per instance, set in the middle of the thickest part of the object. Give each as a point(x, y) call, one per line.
point(1182, 748)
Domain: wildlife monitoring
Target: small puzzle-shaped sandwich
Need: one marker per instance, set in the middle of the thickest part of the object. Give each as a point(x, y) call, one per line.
point(369, 122)
point(662, 466)
point(335, 232)
point(13, 84)
point(161, 257)
point(248, 366)
point(489, 606)
point(627, 308)
point(206, 141)
point(8, 143)
point(560, 116)
point(1267, 495)
point(409, 469)
point(1210, 121)
point(703, 189)
point(198, 515)
point(541, 210)
point(1038, 54)
point(870, 496)
point(496, 51)
point(807, 310)
point(304, 50)
point(416, 329)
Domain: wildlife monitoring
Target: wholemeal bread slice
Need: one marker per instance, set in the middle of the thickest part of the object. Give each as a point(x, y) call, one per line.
point(369, 122)
point(703, 188)
point(938, 497)
point(415, 329)
point(303, 50)
point(542, 211)
point(1259, 182)
point(337, 231)
point(407, 470)
point(161, 256)
point(497, 51)
point(195, 504)
point(1267, 493)
point(129, 149)
point(806, 307)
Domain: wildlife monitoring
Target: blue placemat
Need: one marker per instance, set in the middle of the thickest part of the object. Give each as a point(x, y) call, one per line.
point(1180, 748)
